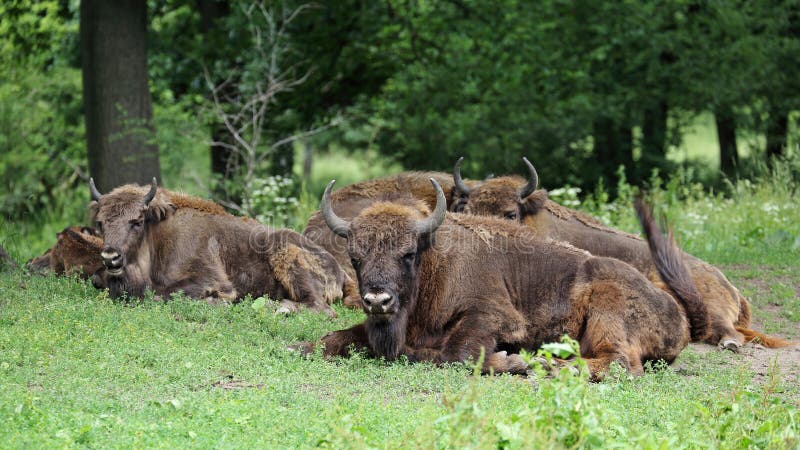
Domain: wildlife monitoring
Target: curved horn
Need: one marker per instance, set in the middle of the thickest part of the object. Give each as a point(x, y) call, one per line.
point(533, 182)
point(153, 188)
point(93, 189)
point(457, 177)
point(432, 222)
point(338, 225)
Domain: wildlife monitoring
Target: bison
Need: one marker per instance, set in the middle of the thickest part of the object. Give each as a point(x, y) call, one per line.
point(77, 251)
point(150, 242)
point(517, 199)
point(350, 200)
point(443, 287)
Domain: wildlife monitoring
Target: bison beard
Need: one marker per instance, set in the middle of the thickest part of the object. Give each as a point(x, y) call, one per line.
point(489, 285)
point(387, 338)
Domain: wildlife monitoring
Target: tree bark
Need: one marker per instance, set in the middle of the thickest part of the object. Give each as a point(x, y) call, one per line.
point(726, 133)
point(308, 161)
point(221, 156)
point(282, 161)
point(777, 131)
point(116, 94)
point(654, 138)
point(613, 147)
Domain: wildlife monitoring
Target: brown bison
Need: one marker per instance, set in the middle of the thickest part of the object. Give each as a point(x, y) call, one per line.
point(77, 251)
point(517, 199)
point(348, 201)
point(443, 287)
point(150, 242)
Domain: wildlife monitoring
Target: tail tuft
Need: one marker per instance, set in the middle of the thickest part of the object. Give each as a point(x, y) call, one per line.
point(673, 271)
point(763, 339)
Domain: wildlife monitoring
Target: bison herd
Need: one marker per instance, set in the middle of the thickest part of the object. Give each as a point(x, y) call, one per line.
point(444, 268)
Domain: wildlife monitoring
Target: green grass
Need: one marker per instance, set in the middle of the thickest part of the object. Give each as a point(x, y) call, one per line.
point(79, 370)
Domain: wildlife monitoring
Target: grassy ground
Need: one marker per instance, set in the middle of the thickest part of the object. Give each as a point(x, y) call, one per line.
point(77, 369)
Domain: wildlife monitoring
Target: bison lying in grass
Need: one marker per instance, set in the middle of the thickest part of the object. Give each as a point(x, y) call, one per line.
point(517, 199)
point(441, 288)
point(77, 251)
point(350, 200)
point(150, 242)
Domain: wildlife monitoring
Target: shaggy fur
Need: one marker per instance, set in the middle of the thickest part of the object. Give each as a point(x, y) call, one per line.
point(77, 251)
point(728, 310)
point(483, 283)
point(177, 243)
point(350, 200)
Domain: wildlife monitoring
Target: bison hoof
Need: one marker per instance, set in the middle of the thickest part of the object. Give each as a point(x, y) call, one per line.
point(283, 310)
point(730, 345)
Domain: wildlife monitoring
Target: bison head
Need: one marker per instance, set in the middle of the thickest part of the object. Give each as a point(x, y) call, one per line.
point(385, 243)
point(507, 197)
point(123, 216)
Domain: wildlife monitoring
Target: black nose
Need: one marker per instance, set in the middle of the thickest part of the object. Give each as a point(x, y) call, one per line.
point(112, 259)
point(378, 301)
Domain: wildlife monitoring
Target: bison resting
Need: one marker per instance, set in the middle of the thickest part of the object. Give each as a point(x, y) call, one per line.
point(441, 288)
point(150, 242)
point(517, 199)
point(350, 200)
point(77, 250)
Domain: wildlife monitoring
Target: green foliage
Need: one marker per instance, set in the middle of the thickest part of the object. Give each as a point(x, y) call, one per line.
point(270, 201)
point(41, 140)
point(80, 369)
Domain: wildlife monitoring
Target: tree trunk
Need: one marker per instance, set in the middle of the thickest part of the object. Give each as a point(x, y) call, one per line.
point(282, 161)
point(221, 162)
point(308, 160)
point(116, 95)
point(613, 147)
point(726, 133)
point(654, 138)
point(777, 130)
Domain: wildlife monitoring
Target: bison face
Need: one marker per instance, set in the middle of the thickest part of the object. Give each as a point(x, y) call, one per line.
point(498, 197)
point(385, 242)
point(122, 216)
point(385, 251)
point(506, 197)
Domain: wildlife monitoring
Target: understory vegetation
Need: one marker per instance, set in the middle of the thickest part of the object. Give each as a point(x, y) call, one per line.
point(80, 370)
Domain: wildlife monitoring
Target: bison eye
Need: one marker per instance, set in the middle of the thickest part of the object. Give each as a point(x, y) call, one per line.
point(459, 207)
point(512, 215)
point(408, 258)
point(136, 225)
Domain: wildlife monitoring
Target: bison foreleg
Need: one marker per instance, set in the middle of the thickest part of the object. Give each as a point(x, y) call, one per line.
point(340, 343)
point(471, 336)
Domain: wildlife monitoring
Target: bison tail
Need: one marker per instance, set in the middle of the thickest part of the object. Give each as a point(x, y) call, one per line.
point(673, 271)
point(763, 339)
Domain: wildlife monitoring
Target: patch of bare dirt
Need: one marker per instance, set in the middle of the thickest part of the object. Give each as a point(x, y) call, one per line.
point(757, 359)
point(235, 384)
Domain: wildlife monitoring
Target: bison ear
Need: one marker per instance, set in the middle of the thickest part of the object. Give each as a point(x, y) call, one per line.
point(159, 209)
point(532, 204)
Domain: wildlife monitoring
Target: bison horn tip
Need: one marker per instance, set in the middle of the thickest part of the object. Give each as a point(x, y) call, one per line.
point(93, 190)
point(460, 185)
point(533, 181)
